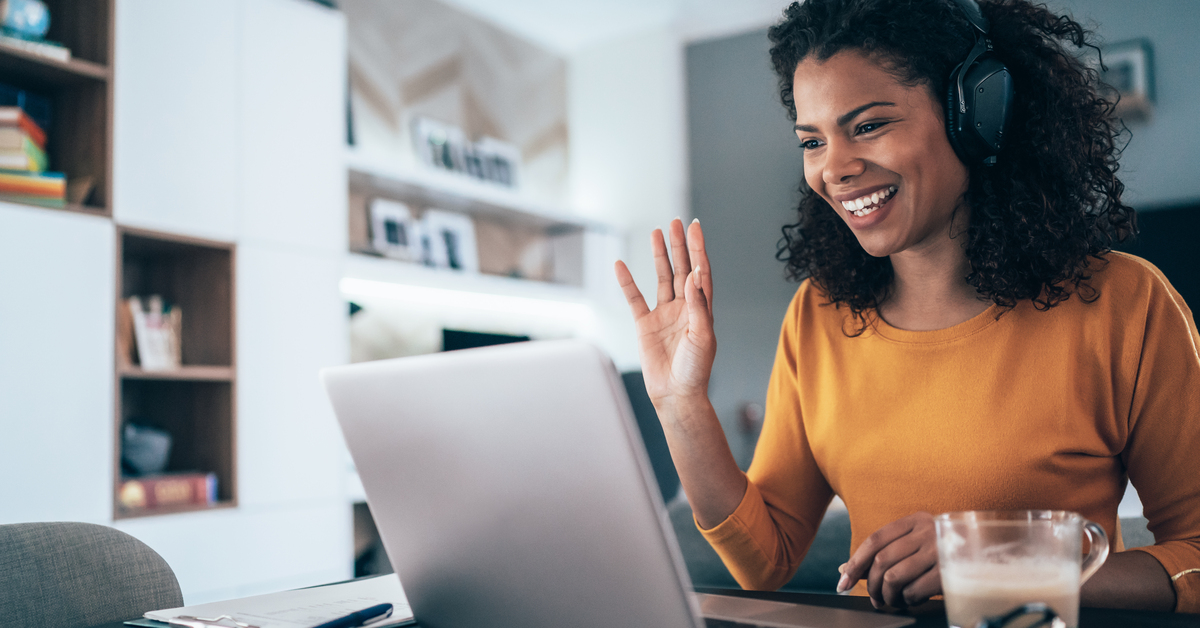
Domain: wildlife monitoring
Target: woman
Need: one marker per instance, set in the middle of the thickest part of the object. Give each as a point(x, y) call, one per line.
point(963, 340)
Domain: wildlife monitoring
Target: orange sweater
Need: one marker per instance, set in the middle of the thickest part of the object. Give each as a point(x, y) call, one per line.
point(1035, 409)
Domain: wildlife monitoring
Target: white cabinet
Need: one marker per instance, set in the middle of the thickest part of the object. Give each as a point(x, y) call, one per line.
point(56, 365)
point(292, 322)
point(292, 89)
point(175, 116)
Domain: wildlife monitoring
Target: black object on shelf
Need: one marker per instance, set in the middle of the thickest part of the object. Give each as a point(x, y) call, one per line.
point(454, 339)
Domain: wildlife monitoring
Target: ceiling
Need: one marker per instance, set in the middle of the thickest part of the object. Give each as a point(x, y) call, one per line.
point(567, 26)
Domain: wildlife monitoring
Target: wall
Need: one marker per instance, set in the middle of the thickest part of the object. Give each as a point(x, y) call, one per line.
point(745, 168)
point(1158, 166)
point(628, 160)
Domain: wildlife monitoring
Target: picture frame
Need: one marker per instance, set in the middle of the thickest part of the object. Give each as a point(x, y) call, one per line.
point(395, 232)
point(446, 147)
point(1127, 76)
point(449, 238)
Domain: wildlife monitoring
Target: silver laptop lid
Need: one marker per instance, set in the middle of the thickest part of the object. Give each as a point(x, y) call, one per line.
point(511, 489)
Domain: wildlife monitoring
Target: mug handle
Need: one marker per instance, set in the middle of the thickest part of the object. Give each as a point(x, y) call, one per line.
point(1049, 617)
point(1098, 552)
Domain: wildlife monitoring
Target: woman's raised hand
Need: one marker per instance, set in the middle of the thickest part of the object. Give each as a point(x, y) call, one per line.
point(675, 339)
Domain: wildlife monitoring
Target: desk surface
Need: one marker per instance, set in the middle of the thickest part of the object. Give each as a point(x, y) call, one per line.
point(933, 615)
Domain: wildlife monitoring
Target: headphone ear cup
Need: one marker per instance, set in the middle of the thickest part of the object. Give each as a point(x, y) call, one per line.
point(977, 134)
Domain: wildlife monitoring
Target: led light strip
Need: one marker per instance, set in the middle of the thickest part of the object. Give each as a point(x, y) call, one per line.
point(460, 299)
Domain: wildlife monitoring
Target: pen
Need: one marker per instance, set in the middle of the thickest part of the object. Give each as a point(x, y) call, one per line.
point(360, 618)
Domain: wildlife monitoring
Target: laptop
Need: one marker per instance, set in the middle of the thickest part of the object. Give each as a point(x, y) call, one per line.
point(511, 489)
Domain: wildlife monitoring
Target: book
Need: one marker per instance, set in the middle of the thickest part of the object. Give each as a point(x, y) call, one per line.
point(37, 107)
point(46, 184)
point(157, 330)
point(40, 47)
point(30, 199)
point(172, 489)
point(12, 116)
point(14, 136)
point(27, 157)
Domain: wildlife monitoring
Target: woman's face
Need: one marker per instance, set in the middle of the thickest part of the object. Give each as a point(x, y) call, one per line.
point(876, 150)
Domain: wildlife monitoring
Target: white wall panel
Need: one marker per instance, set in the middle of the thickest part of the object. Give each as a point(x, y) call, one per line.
point(227, 554)
point(175, 147)
point(292, 89)
point(56, 365)
point(292, 322)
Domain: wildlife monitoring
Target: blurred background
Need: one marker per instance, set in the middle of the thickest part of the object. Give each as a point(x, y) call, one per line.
point(233, 194)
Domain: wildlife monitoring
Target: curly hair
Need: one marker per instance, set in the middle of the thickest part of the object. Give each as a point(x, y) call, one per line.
point(1051, 202)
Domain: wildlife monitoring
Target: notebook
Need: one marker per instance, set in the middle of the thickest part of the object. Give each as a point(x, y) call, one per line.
point(511, 489)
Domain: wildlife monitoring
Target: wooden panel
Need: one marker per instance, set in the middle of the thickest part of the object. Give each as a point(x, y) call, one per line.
point(80, 143)
point(84, 26)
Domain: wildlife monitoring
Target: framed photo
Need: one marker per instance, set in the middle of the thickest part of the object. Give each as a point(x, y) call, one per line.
point(394, 232)
point(449, 240)
point(1130, 76)
point(446, 147)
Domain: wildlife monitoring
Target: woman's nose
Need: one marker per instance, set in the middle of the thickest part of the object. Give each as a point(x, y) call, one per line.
point(841, 163)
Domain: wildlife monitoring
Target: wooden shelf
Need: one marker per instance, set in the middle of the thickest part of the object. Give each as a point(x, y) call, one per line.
point(80, 90)
point(47, 72)
point(186, 373)
point(174, 510)
point(196, 403)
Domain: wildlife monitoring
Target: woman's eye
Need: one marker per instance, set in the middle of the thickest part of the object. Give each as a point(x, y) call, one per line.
point(870, 126)
point(809, 144)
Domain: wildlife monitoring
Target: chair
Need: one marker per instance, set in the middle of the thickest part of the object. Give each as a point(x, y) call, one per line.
point(71, 575)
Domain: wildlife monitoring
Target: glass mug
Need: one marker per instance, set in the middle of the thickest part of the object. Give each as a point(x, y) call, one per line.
point(999, 566)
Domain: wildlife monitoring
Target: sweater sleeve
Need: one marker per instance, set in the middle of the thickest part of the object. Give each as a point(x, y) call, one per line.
point(1161, 455)
point(764, 540)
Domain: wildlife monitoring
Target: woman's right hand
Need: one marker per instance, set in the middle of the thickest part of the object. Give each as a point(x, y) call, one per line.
point(675, 339)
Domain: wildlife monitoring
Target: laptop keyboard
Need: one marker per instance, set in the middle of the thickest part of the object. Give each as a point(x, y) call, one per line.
point(709, 622)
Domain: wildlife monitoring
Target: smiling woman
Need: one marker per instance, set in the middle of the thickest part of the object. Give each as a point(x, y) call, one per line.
point(962, 338)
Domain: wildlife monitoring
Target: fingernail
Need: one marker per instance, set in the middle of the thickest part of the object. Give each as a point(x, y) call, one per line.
point(843, 584)
point(695, 220)
point(842, 568)
point(696, 275)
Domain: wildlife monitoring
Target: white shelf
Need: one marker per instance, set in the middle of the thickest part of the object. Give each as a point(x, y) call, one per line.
point(460, 192)
point(390, 271)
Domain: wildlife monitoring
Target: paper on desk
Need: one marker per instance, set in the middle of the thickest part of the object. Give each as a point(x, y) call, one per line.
point(304, 608)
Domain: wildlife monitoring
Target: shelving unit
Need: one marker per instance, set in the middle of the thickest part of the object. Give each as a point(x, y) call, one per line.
point(196, 402)
point(81, 90)
point(505, 221)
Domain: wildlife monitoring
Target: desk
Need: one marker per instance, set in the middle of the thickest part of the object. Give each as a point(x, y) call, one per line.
point(932, 614)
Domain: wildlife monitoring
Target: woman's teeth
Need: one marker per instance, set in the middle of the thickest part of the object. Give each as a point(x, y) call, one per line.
point(862, 206)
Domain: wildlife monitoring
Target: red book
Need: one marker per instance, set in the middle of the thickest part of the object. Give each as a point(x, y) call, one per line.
point(16, 117)
point(159, 491)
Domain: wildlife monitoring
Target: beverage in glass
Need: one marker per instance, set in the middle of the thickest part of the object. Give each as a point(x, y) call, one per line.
point(994, 562)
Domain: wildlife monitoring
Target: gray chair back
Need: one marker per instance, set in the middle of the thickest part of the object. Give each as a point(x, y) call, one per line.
point(71, 575)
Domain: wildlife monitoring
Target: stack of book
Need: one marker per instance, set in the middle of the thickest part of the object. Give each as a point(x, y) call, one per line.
point(23, 163)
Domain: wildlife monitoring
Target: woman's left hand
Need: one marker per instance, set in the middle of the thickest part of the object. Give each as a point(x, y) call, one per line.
point(899, 562)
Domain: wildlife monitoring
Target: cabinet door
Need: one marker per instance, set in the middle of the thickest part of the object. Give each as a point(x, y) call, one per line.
point(293, 124)
point(56, 362)
point(292, 322)
point(175, 116)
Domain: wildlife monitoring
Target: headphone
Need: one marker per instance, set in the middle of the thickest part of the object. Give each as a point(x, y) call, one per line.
point(979, 97)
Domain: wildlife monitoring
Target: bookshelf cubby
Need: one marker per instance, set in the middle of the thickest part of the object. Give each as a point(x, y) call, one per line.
point(81, 91)
point(195, 403)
